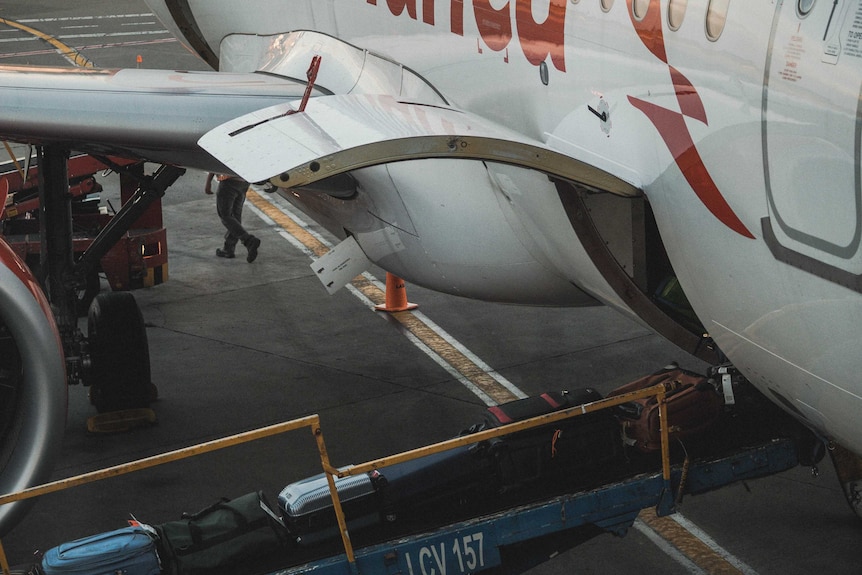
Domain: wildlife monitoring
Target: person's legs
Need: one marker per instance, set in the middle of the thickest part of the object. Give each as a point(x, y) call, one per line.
point(229, 203)
point(251, 244)
point(249, 241)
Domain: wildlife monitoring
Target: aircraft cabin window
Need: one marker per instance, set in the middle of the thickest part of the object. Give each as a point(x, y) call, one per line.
point(676, 13)
point(639, 8)
point(606, 5)
point(716, 18)
point(803, 7)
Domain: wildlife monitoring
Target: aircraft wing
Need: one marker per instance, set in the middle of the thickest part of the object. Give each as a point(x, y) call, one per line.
point(337, 134)
point(157, 115)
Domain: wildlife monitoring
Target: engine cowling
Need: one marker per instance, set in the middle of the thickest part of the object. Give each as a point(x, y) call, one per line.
point(33, 393)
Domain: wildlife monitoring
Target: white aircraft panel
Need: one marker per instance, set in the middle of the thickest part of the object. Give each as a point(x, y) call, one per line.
point(336, 134)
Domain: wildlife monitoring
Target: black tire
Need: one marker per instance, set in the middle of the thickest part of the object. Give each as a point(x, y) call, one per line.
point(119, 374)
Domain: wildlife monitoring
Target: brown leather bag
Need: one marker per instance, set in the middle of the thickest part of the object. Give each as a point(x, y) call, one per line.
point(692, 407)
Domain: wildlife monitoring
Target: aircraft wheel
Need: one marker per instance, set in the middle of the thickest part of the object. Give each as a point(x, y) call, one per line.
point(119, 374)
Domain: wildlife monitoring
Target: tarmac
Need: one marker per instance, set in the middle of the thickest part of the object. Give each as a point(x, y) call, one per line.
point(236, 346)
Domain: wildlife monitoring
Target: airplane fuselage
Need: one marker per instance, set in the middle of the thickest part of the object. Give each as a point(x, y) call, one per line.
point(739, 122)
point(541, 152)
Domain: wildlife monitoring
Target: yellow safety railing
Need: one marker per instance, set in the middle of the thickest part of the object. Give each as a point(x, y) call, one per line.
point(312, 421)
point(660, 391)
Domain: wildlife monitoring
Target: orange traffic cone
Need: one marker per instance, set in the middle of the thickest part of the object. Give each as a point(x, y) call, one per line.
point(396, 295)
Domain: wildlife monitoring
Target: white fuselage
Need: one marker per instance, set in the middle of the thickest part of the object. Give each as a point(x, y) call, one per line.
point(743, 133)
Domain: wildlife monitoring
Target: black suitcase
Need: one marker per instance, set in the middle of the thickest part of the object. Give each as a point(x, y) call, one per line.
point(432, 487)
point(567, 448)
point(439, 486)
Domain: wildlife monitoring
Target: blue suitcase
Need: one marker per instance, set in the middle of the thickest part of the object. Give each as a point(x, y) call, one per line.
point(127, 551)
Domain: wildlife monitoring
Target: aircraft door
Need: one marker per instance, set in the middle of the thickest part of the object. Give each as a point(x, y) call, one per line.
point(811, 118)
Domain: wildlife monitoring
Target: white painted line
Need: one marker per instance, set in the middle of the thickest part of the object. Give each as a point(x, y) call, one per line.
point(78, 18)
point(285, 208)
point(113, 34)
point(495, 375)
point(710, 542)
point(435, 357)
point(668, 549)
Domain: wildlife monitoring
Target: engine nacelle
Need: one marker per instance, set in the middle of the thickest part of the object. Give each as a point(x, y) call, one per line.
point(33, 393)
point(458, 236)
point(496, 232)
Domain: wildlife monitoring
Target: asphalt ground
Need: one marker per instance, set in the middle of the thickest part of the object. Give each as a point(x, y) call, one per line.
point(235, 346)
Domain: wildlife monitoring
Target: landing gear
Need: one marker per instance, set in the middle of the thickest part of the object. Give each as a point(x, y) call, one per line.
point(87, 292)
point(113, 358)
point(119, 373)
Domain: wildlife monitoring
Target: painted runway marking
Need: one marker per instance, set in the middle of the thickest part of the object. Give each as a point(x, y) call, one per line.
point(696, 546)
point(70, 54)
point(74, 55)
point(80, 18)
point(483, 381)
point(36, 35)
point(668, 548)
point(710, 542)
point(114, 34)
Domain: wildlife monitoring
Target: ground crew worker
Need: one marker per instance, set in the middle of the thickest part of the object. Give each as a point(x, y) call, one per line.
point(230, 198)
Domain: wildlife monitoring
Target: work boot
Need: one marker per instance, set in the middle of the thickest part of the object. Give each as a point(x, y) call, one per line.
point(251, 245)
point(225, 253)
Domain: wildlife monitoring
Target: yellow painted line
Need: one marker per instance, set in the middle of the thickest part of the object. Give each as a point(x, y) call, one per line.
point(71, 54)
point(693, 548)
point(478, 376)
point(422, 331)
point(311, 243)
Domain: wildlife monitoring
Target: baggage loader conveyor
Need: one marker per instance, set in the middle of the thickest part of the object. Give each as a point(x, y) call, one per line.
point(487, 542)
point(538, 528)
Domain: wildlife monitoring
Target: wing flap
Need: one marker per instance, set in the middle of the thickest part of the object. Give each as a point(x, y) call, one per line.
point(338, 134)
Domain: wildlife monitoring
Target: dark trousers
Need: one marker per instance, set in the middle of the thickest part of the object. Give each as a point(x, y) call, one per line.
point(230, 198)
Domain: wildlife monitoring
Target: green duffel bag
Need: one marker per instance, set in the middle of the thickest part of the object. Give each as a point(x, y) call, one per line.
point(222, 536)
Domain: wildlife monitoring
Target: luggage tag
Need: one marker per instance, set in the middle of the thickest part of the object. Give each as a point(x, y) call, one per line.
point(133, 522)
point(727, 385)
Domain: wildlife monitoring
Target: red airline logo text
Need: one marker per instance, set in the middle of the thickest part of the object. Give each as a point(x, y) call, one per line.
point(499, 26)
